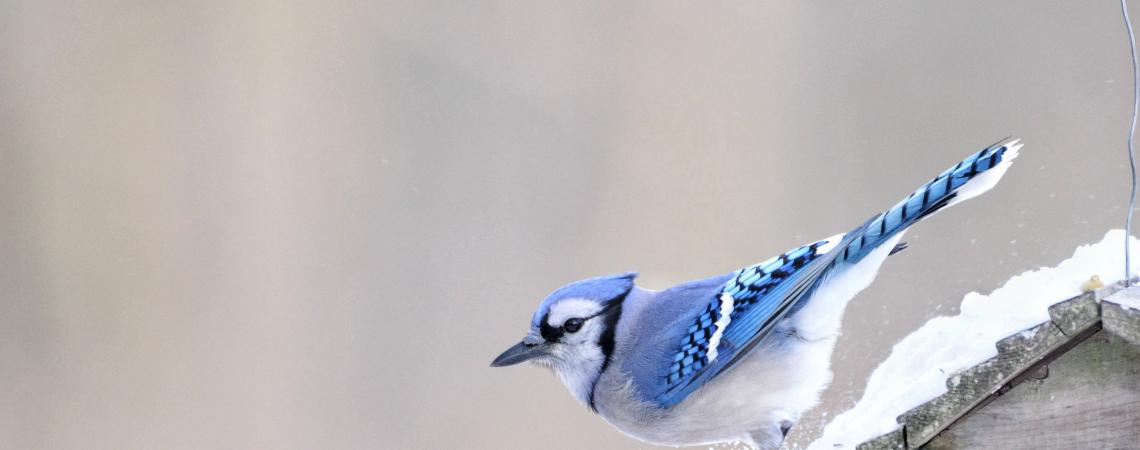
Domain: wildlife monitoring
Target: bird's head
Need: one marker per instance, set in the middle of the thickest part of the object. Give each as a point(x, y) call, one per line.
point(572, 332)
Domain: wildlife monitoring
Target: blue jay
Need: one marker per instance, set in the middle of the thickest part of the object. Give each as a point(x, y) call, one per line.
point(734, 357)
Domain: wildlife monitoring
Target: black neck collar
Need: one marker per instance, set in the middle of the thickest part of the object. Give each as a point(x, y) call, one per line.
point(606, 341)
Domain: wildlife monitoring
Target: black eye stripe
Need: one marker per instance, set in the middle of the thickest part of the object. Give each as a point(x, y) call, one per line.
point(552, 333)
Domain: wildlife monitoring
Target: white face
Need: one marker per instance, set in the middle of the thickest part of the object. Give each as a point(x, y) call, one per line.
point(576, 357)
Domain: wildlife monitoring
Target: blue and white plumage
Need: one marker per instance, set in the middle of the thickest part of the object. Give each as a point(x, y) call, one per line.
point(735, 357)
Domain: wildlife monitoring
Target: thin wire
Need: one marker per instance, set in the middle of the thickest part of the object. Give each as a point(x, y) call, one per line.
point(1131, 134)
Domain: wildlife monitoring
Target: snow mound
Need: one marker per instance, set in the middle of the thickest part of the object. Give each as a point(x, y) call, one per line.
point(919, 364)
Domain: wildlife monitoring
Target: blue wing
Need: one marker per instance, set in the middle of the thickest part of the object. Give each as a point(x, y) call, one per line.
point(757, 297)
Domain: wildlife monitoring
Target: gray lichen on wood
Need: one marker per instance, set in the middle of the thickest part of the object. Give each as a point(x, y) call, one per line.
point(1121, 315)
point(890, 441)
point(1075, 315)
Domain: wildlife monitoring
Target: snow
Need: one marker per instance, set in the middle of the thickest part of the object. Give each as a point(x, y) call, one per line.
point(917, 369)
point(1129, 299)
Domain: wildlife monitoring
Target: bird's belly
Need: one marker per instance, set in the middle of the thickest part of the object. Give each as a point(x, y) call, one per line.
point(776, 383)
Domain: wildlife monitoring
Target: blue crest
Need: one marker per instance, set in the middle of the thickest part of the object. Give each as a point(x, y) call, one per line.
point(602, 289)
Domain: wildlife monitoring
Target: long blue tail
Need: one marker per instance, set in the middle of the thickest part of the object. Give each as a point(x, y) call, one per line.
point(969, 178)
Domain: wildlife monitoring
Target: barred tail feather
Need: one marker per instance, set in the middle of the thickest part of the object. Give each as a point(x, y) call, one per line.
point(987, 179)
point(970, 178)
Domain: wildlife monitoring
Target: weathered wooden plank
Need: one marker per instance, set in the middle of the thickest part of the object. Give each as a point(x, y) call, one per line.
point(972, 386)
point(1088, 398)
point(1075, 315)
point(1072, 321)
point(1121, 314)
point(890, 441)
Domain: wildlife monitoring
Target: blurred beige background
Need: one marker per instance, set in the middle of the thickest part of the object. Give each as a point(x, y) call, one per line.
point(312, 224)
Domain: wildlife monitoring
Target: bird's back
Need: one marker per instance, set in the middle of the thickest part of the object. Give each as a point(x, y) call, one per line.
point(651, 325)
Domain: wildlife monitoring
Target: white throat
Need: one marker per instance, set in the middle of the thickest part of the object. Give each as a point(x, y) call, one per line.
point(581, 371)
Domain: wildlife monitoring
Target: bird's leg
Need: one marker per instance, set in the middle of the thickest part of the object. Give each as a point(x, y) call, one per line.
point(785, 427)
point(771, 438)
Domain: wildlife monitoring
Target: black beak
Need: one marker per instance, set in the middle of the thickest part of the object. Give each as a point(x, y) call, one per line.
point(524, 351)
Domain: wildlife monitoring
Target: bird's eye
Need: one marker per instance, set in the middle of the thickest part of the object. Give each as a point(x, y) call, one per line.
point(572, 325)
